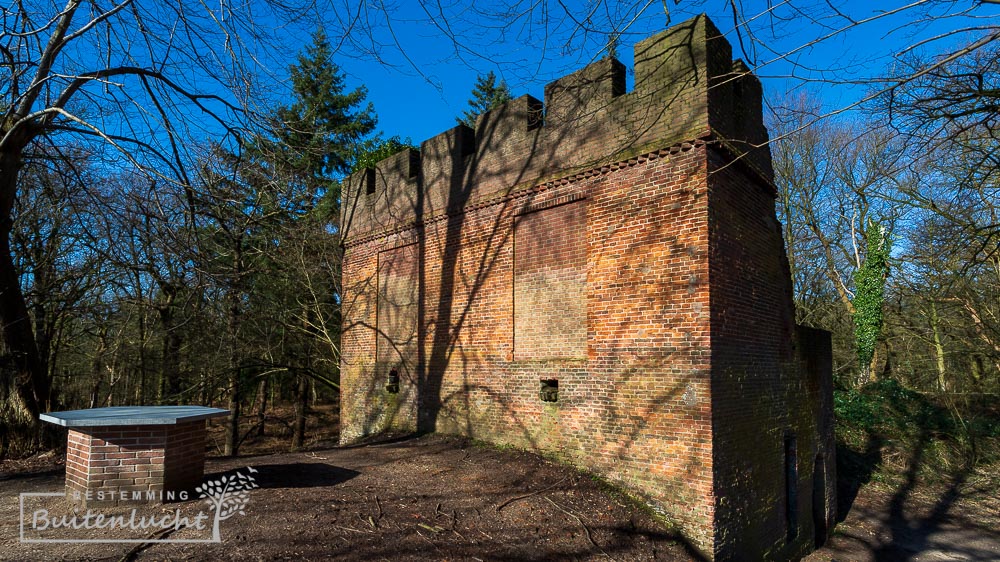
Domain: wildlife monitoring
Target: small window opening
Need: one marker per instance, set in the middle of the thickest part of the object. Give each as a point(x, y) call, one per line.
point(536, 114)
point(369, 181)
point(549, 391)
point(414, 164)
point(392, 385)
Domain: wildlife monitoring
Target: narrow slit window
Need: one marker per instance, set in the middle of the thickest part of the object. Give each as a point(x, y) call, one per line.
point(369, 181)
point(791, 487)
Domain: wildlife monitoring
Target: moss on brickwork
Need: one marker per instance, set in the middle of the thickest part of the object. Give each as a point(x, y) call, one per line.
point(655, 290)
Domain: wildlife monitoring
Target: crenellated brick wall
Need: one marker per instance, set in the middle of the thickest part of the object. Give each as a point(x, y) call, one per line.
point(145, 463)
point(603, 281)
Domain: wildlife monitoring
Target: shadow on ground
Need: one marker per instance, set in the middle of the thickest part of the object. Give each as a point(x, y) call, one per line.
point(921, 515)
point(854, 470)
point(293, 475)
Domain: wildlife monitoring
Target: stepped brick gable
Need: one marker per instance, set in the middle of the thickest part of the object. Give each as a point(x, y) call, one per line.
point(602, 278)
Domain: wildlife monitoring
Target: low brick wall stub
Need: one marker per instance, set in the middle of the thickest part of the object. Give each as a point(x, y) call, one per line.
point(117, 464)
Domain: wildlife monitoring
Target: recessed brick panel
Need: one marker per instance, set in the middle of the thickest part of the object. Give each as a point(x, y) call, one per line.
point(550, 283)
point(398, 306)
point(627, 248)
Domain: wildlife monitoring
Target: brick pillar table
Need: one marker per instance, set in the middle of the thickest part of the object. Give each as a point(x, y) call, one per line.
point(134, 453)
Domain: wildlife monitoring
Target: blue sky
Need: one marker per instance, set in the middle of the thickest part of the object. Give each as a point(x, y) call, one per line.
point(423, 78)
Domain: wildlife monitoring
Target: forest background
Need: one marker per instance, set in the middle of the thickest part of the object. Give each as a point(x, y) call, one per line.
point(169, 190)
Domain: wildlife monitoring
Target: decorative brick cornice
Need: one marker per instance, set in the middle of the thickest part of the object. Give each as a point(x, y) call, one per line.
point(536, 189)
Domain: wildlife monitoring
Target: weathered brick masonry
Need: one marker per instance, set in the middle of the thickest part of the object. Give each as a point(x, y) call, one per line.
point(618, 253)
point(148, 461)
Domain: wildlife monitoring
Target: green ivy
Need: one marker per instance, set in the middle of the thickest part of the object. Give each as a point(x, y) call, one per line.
point(373, 151)
point(869, 293)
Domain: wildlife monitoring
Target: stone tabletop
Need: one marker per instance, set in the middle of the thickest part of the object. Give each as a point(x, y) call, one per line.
point(132, 415)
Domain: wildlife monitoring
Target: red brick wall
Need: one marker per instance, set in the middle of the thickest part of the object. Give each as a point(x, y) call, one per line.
point(634, 397)
point(184, 464)
point(152, 458)
point(550, 283)
point(618, 248)
point(762, 393)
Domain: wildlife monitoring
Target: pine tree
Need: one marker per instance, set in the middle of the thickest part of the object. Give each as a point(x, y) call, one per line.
point(316, 137)
point(315, 141)
point(486, 95)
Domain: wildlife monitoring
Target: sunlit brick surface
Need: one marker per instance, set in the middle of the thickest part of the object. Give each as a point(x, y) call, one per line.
point(626, 246)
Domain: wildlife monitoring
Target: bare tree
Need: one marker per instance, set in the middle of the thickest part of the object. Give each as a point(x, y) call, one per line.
point(835, 181)
point(124, 77)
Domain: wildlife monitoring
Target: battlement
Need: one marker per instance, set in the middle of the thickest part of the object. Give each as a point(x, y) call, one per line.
point(687, 87)
point(601, 277)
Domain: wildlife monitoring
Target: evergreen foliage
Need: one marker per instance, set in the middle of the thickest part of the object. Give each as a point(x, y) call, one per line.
point(316, 137)
point(486, 95)
point(372, 151)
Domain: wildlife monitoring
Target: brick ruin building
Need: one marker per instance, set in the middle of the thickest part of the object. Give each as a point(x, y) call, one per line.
point(602, 278)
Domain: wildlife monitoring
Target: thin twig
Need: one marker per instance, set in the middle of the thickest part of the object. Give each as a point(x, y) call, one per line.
point(430, 541)
point(454, 522)
point(536, 492)
point(370, 521)
point(352, 529)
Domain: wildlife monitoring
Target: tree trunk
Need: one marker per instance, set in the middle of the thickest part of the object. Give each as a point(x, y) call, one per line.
point(233, 422)
point(261, 406)
point(20, 370)
point(864, 376)
point(976, 371)
point(301, 403)
point(938, 349)
point(888, 367)
point(4, 442)
point(24, 388)
point(170, 384)
point(140, 394)
point(233, 425)
point(43, 340)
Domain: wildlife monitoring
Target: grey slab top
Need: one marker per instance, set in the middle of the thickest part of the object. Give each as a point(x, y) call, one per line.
point(132, 415)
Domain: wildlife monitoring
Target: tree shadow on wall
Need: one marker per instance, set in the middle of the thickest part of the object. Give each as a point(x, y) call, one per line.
point(443, 348)
point(452, 283)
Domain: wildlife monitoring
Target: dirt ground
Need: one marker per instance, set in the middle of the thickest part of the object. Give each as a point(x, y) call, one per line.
point(444, 498)
point(956, 518)
point(430, 498)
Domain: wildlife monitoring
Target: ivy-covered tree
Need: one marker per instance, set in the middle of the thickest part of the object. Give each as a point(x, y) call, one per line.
point(486, 94)
point(869, 294)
